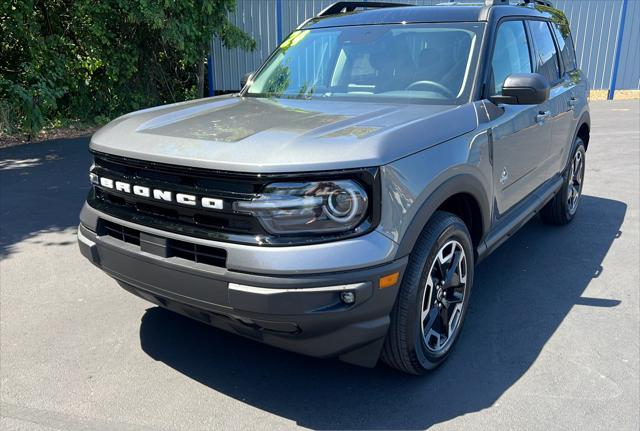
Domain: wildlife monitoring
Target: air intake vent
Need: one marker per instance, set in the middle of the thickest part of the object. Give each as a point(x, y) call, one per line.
point(198, 253)
point(122, 233)
point(181, 249)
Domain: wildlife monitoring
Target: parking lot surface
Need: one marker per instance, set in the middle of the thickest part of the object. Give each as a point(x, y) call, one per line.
point(551, 340)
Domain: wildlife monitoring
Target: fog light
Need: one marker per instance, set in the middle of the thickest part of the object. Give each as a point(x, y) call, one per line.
point(348, 297)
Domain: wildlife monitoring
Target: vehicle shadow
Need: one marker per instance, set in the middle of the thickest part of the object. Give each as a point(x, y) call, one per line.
point(42, 188)
point(522, 294)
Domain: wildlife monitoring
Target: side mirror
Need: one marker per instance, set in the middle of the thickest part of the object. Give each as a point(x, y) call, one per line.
point(246, 78)
point(524, 89)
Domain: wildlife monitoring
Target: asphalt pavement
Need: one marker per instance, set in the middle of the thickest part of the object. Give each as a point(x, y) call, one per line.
point(551, 340)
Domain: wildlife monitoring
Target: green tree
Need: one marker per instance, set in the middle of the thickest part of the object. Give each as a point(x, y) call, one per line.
point(92, 60)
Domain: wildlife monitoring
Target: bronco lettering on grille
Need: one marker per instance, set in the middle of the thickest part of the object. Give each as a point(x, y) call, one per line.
point(157, 194)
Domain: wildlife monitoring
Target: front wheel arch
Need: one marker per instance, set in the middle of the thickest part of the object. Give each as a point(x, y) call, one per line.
point(457, 186)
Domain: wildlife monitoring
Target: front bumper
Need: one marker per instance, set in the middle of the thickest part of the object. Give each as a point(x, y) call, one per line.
point(302, 313)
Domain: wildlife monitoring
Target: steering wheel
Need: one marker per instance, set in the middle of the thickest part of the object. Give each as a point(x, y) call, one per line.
point(434, 85)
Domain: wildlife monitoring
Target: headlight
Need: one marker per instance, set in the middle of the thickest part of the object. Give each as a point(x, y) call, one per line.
point(308, 207)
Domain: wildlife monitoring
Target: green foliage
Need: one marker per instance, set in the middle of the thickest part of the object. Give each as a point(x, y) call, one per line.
point(91, 60)
point(558, 17)
point(278, 81)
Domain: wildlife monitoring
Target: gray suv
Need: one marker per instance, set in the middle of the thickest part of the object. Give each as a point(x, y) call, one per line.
point(338, 204)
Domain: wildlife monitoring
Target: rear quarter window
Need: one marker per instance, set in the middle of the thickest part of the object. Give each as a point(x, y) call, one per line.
point(565, 43)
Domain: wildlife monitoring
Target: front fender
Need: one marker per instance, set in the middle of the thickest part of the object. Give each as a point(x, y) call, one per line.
point(414, 187)
point(464, 183)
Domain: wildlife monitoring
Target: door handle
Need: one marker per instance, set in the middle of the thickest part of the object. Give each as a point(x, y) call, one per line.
point(572, 103)
point(542, 116)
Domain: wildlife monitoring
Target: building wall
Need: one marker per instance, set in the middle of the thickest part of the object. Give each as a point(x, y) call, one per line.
point(629, 69)
point(595, 25)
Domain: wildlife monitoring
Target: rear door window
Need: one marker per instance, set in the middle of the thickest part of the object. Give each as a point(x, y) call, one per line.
point(546, 54)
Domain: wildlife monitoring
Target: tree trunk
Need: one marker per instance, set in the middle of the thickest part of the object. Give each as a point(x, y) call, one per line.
point(201, 79)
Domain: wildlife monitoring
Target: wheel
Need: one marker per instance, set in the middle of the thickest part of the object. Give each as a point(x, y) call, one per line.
point(563, 207)
point(433, 298)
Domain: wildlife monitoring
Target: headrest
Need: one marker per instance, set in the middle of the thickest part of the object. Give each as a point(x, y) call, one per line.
point(391, 53)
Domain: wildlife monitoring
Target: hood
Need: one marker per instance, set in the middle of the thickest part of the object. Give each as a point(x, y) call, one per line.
point(257, 135)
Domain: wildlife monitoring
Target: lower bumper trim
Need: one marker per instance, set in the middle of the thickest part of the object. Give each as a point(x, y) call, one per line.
point(288, 301)
point(300, 313)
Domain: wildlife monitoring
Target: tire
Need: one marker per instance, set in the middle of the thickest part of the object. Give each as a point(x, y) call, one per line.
point(564, 205)
point(409, 346)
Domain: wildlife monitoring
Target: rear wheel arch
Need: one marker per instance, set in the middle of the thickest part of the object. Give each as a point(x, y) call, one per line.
point(462, 195)
point(562, 208)
point(583, 131)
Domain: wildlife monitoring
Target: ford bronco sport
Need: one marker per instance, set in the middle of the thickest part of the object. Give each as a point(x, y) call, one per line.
point(338, 204)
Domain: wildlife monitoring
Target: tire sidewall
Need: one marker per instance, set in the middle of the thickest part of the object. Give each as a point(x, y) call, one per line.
point(455, 231)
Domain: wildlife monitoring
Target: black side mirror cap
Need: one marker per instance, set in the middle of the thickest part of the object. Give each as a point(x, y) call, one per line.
point(245, 79)
point(524, 89)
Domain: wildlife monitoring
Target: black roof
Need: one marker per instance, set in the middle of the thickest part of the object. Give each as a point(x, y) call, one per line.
point(416, 14)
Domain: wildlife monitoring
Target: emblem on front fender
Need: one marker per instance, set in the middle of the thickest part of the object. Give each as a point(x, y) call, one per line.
point(504, 175)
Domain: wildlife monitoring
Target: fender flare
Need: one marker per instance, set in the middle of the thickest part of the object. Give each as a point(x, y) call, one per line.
point(585, 118)
point(461, 183)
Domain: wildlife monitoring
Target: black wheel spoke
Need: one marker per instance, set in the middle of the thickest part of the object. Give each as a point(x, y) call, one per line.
point(451, 299)
point(432, 316)
point(444, 321)
point(442, 274)
point(455, 262)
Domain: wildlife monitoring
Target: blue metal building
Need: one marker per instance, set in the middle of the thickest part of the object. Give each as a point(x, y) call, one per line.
point(606, 34)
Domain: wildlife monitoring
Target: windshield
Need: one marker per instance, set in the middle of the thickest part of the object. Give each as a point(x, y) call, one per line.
point(417, 63)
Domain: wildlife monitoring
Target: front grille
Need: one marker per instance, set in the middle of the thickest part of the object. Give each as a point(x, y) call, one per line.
point(185, 250)
point(224, 224)
point(225, 183)
point(221, 224)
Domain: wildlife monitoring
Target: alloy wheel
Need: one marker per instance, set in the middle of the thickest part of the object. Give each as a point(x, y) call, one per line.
point(574, 186)
point(443, 297)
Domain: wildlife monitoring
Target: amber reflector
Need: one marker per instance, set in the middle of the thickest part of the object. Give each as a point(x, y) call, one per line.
point(389, 280)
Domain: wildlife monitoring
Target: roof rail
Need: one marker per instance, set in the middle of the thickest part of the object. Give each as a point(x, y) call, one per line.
point(540, 2)
point(350, 6)
point(489, 3)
